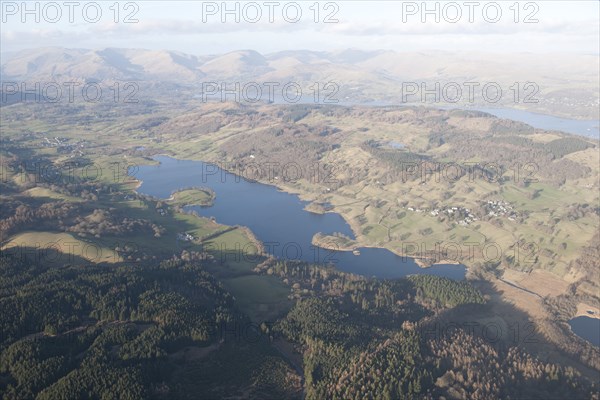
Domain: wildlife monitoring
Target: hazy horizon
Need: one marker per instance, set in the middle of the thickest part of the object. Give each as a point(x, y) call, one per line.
point(198, 28)
point(331, 51)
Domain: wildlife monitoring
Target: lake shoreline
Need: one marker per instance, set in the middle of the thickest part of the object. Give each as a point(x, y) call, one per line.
point(582, 311)
point(423, 262)
point(377, 261)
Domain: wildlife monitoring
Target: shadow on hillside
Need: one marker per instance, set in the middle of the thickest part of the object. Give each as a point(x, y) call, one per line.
point(502, 325)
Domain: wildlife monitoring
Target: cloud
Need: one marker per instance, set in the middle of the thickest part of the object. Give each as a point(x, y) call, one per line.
point(359, 26)
point(391, 27)
point(187, 27)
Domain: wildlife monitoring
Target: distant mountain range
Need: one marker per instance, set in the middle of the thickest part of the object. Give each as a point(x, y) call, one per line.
point(568, 84)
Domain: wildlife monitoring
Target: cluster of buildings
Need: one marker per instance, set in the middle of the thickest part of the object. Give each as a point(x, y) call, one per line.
point(500, 208)
point(63, 147)
point(463, 215)
point(185, 237)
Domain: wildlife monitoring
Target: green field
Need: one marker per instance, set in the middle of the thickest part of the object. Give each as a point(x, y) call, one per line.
point(192, 197)
point(262, 298)
point(60, 248)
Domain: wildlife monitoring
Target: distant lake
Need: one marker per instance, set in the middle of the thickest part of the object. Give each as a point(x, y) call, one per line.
point(588, 128)
point(587, 328)
point(395, 145)
point(277, 218)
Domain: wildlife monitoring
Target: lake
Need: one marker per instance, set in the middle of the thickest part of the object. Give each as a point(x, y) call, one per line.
point(588, 128)
point(278, 219)
point(587, 328)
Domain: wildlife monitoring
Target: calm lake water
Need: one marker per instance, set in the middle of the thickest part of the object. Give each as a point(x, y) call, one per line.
point(278, 219)
point(589, 128)
point(587, 328)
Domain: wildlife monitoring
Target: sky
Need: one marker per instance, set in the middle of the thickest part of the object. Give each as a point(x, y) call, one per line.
point(268, 26)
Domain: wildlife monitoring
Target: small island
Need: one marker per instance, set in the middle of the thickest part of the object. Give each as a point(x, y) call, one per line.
point(195, 196)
